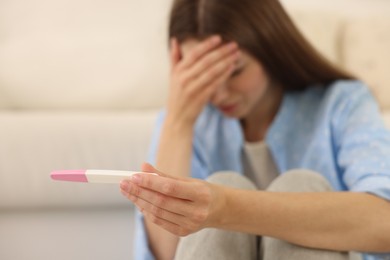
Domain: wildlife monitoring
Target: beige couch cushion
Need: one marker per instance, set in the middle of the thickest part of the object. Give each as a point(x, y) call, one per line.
point(35, 143)
point(322, 29)
point(83, 54)
point(366, 52)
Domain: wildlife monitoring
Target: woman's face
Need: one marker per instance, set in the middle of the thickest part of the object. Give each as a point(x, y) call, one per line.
point(240, 94)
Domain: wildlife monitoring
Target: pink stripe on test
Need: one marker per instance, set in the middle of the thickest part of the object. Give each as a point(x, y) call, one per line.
point(69, 175)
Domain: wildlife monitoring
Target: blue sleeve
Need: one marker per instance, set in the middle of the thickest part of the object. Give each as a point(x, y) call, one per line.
point(198, 169)
point(362, 143)
point(141, 247)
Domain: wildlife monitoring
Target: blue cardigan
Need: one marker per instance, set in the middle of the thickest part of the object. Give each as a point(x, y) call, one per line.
point(336, 131)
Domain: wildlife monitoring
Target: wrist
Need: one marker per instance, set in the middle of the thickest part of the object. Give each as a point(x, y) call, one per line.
point(220, 212)
point(178, 126)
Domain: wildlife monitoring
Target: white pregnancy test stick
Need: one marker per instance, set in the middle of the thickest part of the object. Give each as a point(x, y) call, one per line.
point(93, 176)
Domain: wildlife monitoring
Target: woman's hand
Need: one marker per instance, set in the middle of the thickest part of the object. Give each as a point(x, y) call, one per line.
point(196, 76)
point(179, 205)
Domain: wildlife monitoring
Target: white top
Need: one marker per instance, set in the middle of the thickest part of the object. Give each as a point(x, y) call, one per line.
point(258, 164)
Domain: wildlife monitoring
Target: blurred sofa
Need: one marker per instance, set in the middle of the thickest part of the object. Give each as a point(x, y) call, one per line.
point(81, 82)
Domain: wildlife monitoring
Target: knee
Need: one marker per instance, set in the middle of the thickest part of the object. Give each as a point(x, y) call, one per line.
point(231, 179)
point(300, 180)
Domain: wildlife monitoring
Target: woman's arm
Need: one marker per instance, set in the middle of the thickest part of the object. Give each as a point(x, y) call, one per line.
point(341, 221)
point(174, 155)
point(194, 79)
point(328, 220)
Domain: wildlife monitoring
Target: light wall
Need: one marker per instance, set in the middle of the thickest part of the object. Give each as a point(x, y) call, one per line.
point(360, 7)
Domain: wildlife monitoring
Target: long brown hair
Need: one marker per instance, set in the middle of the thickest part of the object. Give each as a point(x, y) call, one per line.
point(264, 30)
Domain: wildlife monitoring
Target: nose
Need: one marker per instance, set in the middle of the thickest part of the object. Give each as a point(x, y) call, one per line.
point(220, 94)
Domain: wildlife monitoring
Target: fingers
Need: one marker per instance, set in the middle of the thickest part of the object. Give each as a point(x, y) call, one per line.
point(209, 70)
point(154, 201)
point(163, 201)
point(178, 217)
point(166, 185)
point(200, 50)
point(206, 95)
point(208, 61)
point(213, 78)
point(146, 167)
point(179, 224)
point(167, 225)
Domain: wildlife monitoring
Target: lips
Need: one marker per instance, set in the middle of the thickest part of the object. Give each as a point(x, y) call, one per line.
point(228, 108)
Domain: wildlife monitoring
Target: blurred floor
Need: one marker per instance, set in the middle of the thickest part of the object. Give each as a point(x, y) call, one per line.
point(66, 235)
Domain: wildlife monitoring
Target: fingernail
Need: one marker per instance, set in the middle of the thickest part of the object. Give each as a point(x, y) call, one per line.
point(124, 185)
point(216, 39)
point(140, 209)
point(136, 179)
point(232, 45)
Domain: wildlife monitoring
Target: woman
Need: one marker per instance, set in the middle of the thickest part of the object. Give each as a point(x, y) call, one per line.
point(249, 95)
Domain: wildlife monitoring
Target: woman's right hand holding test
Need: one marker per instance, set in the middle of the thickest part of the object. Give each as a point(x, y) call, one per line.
point(197, 75)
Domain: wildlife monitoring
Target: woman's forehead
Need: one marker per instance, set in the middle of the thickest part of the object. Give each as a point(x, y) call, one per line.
point(188, 45)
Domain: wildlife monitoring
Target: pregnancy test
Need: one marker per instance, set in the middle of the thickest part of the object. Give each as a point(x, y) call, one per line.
point(93, 176)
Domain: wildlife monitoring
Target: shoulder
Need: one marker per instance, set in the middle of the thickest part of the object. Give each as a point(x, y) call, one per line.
point(350, 97)
point(347, 90)
point(348, 100)
point(336, 91)
point(324, 105)
point(337, 97)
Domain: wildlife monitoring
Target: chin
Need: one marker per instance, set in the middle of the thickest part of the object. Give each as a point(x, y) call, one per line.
point(235, 114)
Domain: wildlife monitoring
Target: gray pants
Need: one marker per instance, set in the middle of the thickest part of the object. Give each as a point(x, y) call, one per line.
point(225, 245)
